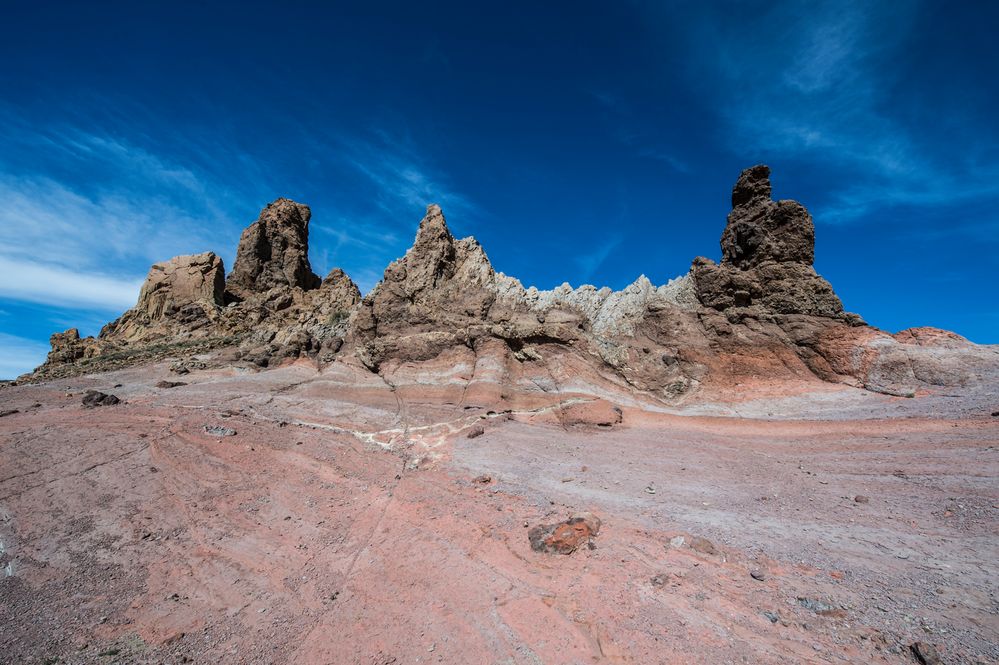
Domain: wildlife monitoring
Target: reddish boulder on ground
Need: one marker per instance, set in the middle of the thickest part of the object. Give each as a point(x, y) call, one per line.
point(564, 537)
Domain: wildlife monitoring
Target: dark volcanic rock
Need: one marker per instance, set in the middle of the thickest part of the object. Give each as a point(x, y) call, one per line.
point(94, 398)
point(170, 384)
point(925, 653)
point(768, 248)
point(274, 251)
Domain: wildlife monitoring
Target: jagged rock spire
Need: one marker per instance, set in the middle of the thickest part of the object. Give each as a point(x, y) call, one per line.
point(274, 251)
point(761, 230)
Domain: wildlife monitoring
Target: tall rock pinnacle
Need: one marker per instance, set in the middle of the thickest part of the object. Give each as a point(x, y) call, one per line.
point(274, 251)
point(760, 229)
point(768, 248)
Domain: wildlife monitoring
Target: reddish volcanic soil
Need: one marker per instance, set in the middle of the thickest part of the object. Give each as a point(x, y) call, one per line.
point(347, 521)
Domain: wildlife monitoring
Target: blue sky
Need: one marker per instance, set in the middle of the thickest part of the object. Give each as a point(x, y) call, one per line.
point(580, 142)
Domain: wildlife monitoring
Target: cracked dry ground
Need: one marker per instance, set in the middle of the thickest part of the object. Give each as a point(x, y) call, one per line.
point(343, 523)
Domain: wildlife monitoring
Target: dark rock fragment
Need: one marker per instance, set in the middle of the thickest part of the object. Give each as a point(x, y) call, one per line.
point(170, 384)
point(94, 398)
point(925, 653)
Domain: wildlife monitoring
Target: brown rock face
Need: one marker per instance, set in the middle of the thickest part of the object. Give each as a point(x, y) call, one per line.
point(274, 251)
point(180, 296)
point(335, 298)
point(761, 230)
point(768, 248)
point(436, 296)
point(182, 280)
point(438, 280)
point(68, 347)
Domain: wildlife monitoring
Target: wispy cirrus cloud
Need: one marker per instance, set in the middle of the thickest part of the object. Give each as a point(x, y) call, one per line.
point(19, 355)
point(46, 284)
point(817, 82)
point(87, 210)
point(632, 133)
point(590, 262)
point(402, 177)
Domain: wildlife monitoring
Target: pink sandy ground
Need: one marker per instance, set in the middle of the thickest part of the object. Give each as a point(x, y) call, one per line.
point(341, 524)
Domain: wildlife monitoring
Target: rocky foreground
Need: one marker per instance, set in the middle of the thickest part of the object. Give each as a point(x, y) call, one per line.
point(266, 467)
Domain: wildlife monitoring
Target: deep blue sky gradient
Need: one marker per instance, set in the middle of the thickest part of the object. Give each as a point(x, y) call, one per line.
point(581, 142)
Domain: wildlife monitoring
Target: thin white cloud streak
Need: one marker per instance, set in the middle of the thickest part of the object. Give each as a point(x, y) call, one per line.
point(61, 287)
point(132, 207)
point(401, 176)
point(589, 263)
point(809, 81)
point(19, 355)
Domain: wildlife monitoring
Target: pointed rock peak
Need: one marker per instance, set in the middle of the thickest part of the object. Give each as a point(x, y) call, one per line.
point(753, 184)
point(336, 276)
point(274, 251)
point(336, 296)
point(433, 227)
point(434, 246)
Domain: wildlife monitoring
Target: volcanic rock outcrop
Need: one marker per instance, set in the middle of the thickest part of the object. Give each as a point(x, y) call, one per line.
point(768, 248)
point(274, 252)
point(182, 295)
point(762, 312)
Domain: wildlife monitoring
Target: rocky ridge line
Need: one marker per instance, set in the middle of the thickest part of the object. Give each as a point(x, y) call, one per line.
point(761, 311)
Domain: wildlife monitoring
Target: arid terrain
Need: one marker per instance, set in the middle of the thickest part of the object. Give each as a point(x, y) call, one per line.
point(345, 521)
point(728, 468)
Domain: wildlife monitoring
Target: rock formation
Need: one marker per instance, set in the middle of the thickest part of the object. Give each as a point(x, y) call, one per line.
point(274, 252)
point(180, 296)
point(768, 249)
point(762, 311)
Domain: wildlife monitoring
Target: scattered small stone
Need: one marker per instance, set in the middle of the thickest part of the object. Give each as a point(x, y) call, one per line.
point(860, 498)
point(8, 412)
point(660, 580)
point(94, 398)
point(925, 653)
point(650, 490)
point(219, 430)
point(482, 480)
point(820, 608)
point(995, 414)
point(757, 575)
point(565, 537)
point(703, 545)
point(677, 541)
point(170, 384)
point(772, 616)
point(476, 431)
